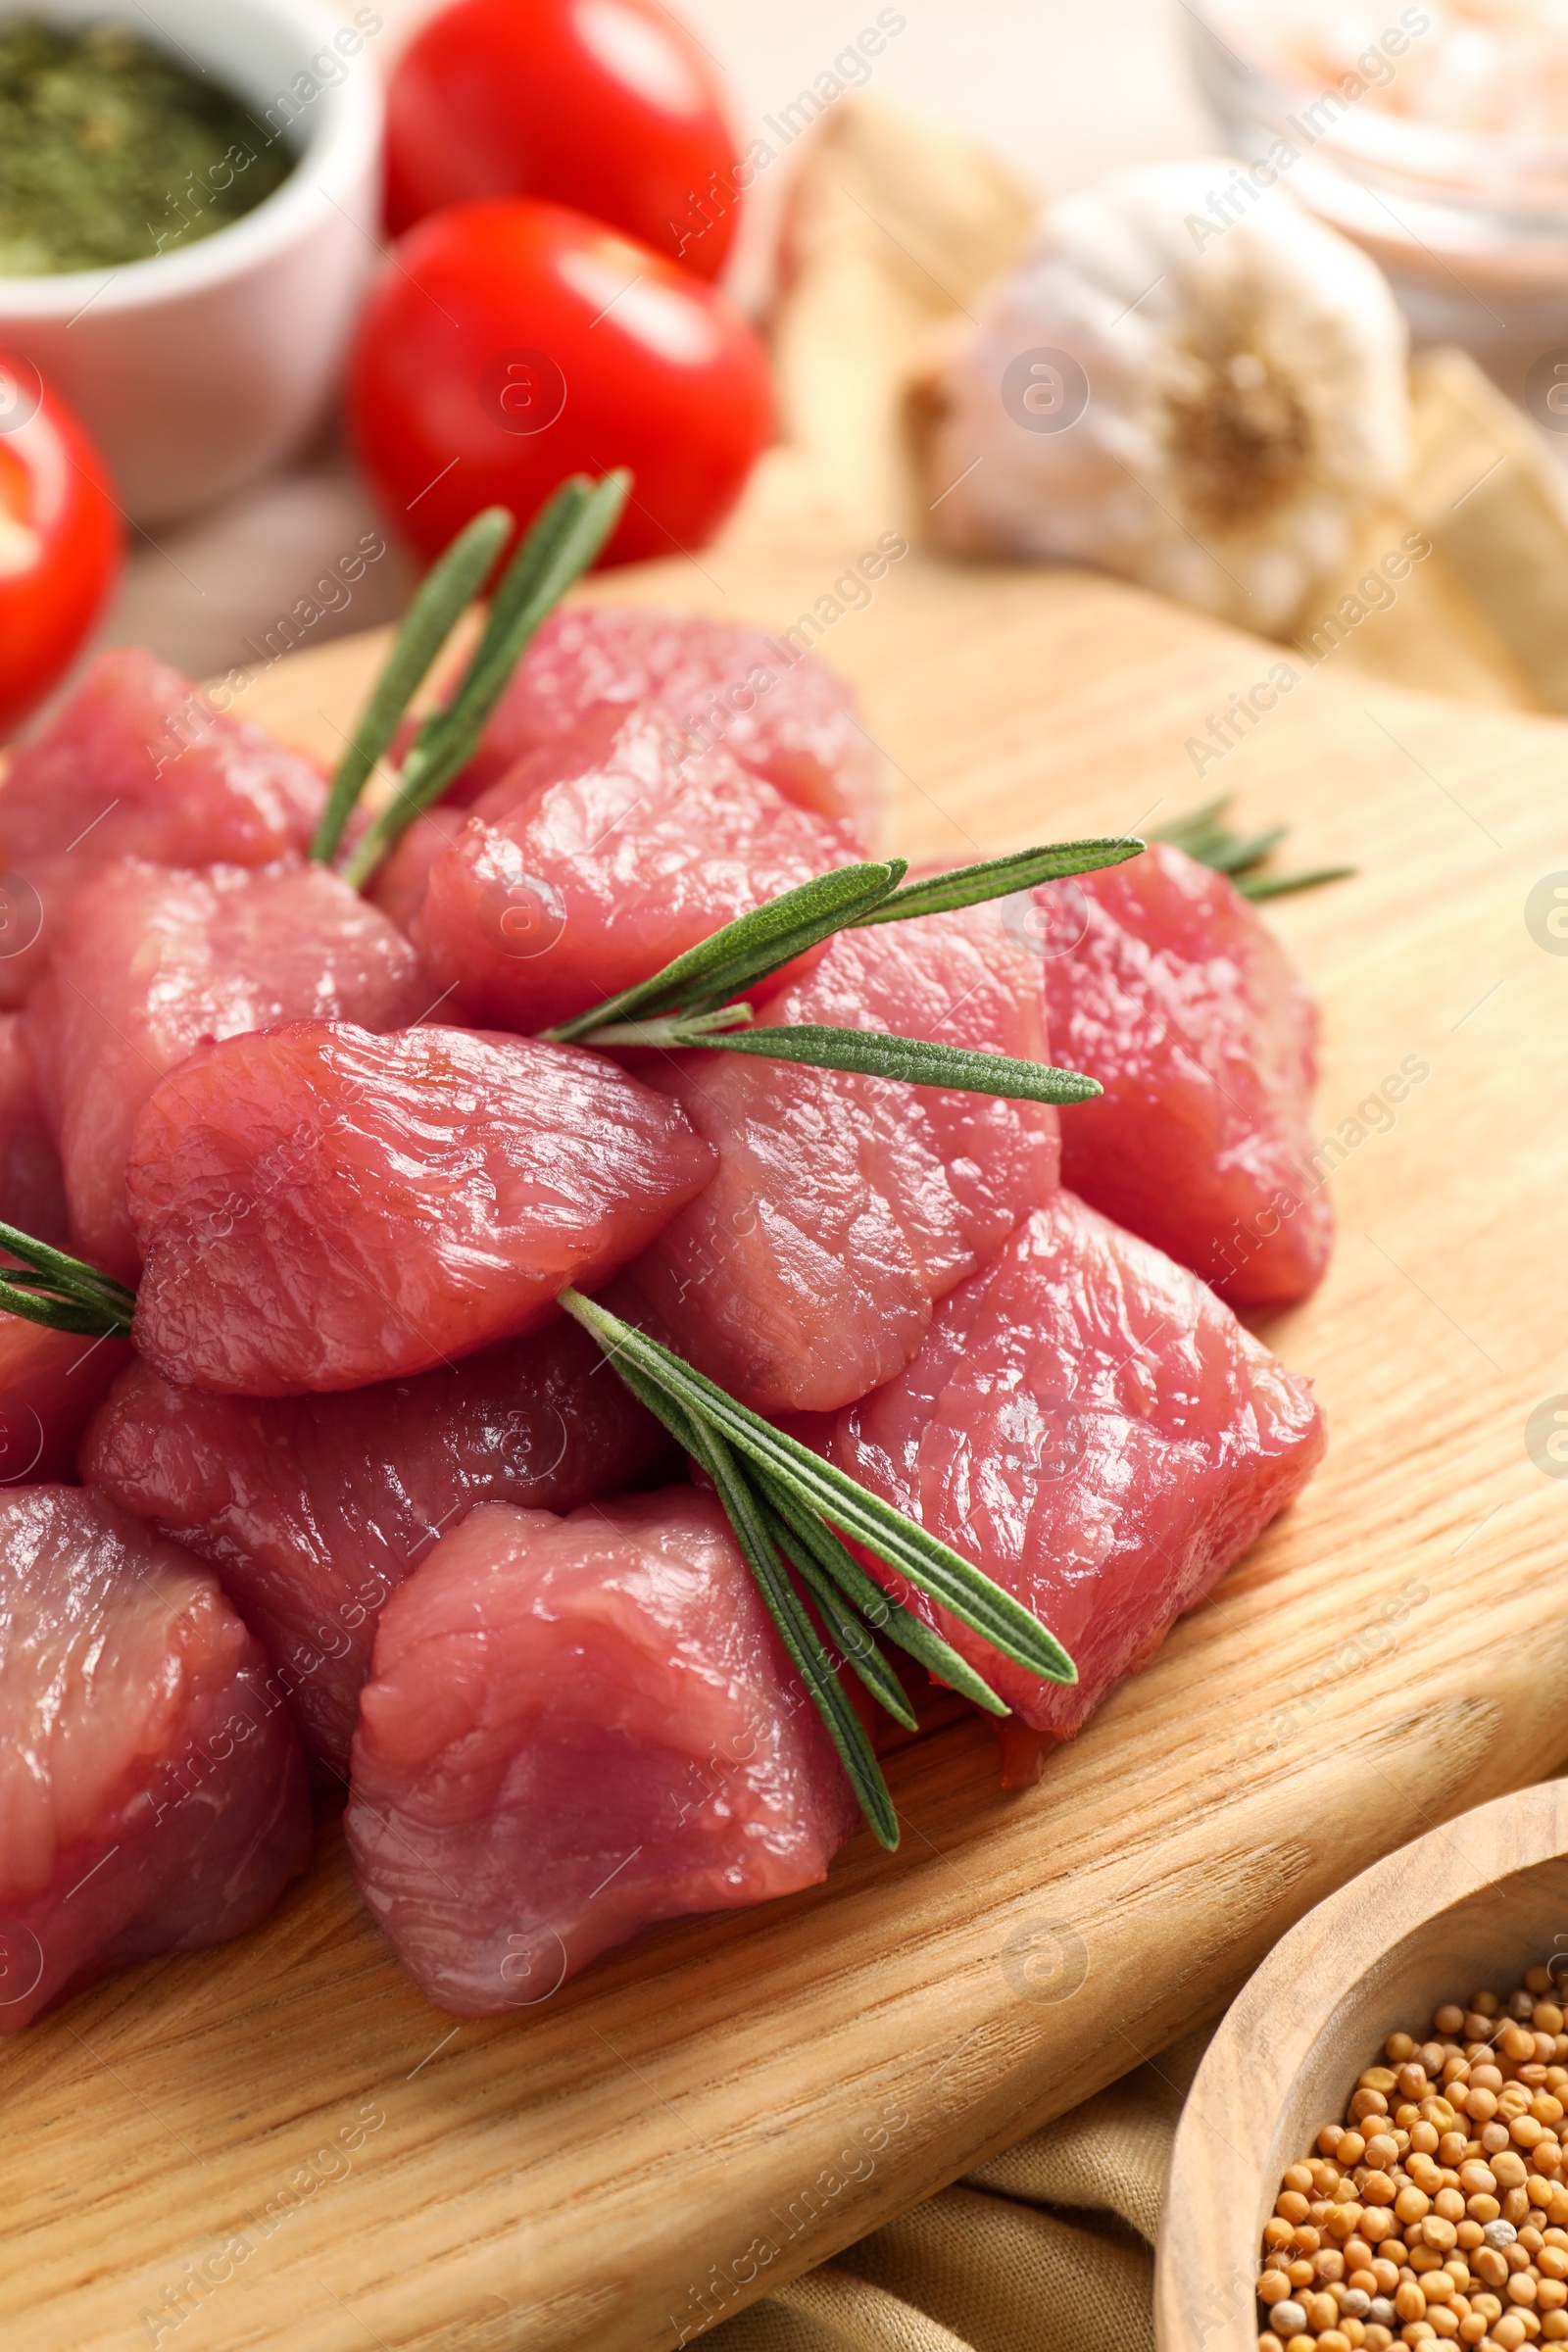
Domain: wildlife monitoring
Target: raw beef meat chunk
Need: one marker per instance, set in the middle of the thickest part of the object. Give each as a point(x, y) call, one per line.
point(314, 1509)
point(33, 1184)
point(319, 1209)
point(1089, 1425)
point(152, 1793)
point(137, 766)
point(599, 861)
point(1162, 982)
point(844, 1207)
point(779, 711)
point(575, 1727)
point(150, 963)
point(51, 1383)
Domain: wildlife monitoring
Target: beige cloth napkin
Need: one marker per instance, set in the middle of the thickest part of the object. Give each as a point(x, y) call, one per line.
point(1048, 2248)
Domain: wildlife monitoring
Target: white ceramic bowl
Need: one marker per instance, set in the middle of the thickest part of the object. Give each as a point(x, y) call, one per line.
point(204, 363)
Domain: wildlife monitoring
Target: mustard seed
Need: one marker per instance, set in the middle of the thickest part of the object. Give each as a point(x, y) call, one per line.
point(1445, 2220)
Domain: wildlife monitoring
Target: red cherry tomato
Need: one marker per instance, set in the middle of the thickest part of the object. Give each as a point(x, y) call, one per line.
point(606, 105)
point(508, 344)
point(60, 539)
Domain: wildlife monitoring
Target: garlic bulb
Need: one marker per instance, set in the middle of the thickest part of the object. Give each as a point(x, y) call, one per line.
point(1186, 379)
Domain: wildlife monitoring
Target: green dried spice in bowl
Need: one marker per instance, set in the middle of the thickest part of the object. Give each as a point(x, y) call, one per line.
point(112, 151)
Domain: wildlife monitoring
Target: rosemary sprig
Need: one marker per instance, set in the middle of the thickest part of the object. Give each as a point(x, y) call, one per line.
point(1203, 835)
point(812, 1658)
point(745, 1508)
point(806, 1550)
point(1282, 886)
point(877, 1607)
point(779, 1525)
point(567, 535)
point(761, 941)
point(880, 1611)
point(448, 588)
point(910, 1550)
point(692, 1002)
point(848, 1630)
point(722, 968)
point(60, 1292)
point(786, 1505)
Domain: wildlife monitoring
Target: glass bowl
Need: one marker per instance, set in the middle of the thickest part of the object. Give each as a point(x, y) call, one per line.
point(1469, 226)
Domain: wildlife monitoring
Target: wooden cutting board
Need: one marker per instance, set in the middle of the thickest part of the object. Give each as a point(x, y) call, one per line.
point(287, 2136)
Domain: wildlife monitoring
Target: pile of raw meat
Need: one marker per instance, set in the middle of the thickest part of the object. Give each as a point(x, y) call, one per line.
point(359, 1509)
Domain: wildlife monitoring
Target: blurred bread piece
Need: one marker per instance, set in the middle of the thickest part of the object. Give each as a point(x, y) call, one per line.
point(895, 223)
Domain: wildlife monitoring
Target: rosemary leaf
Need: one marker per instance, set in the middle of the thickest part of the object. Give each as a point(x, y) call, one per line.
point(697, 1440)
point(909, 1549)
point(44, 1258)
point(1235, 854)
point(812, 1661)
point(914, 1060)
point(1203, 834)
point(547, 539)
point(563, 542)
point(1000, 877)
point(848, 1630)
point(688, 1432)
point(58, 1313)
point(529, 564)
point(1280, 886)
point(439, 603)
point(889, 1617)
point(724, 967)
point(1196, 826)
point(60, 1291)
point(566, 536)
